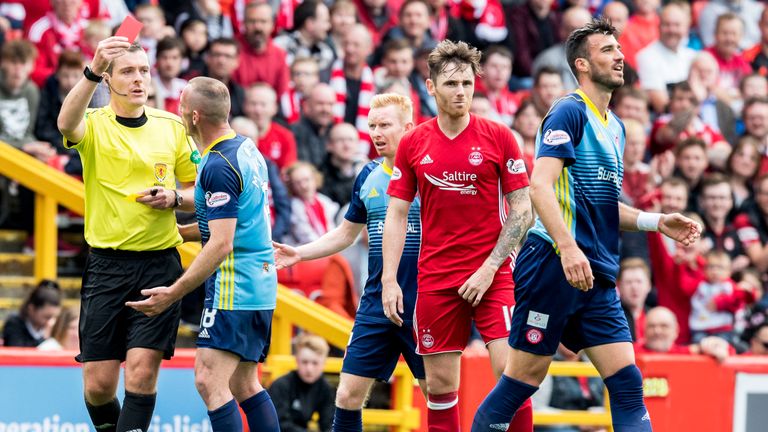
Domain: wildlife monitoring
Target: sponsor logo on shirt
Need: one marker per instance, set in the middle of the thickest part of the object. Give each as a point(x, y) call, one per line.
point(455, 181)
point(396, 173)
point(475, 158)
point(515, 166)
point(609, 176)
point(373, 193)
point(216, 199)
point(556, 137)
point(426, 160)
point(534, 336)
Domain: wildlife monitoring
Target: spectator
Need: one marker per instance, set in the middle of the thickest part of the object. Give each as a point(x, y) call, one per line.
point(260, 59)
point(527, 124)
point(20, 99)
point(484, 23)
point(414, 28)
point(444, 24)
point(153, 28)
point(634, 285)
point(757, 55)
point(420, 76)
point(216, 21)
point(618, 14)
point(533, 25)
point(753, 85)
point(305, 75)
point(57, 86)
point(547, 88)
point(719, 234)
point(343, 163)
point(714, 105)
point(303, 392)
point(691, 163)
point(641, 30)
point(221, 62)
point(168, 68)
point(312, 129)
point(632, 103)
point(661, 331)
point(352, 80)
point(755, 117)
point(60, 29)
point(747, 10)
point(378, 16)
point(32, 325)
point(554, 56)
point(312, 213)
point(729, 31)
point(483, 108)
point(311, 23)
point(758, 342)
point(343, 16)
point(275, 142)
point(667, 60)
point(194, 34)
point(279, 201)
point(752, 226)
point(716, 300)
point(64, 333)
point(638, 179)
point(494, 82)
point(741, 170)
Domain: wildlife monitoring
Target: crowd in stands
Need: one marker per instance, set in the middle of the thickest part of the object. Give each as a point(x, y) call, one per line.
point(301, 75)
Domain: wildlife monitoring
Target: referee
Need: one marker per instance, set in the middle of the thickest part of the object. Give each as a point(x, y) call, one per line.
point(132, 157)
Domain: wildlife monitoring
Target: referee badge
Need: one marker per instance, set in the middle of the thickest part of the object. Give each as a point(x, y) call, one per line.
point(161, 170)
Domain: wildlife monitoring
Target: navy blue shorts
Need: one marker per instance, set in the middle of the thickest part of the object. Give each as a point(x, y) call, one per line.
point(374, 349)
point(549, 310)
point(245, 333)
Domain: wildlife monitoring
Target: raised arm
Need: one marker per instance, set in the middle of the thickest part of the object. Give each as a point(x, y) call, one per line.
point(673, 225)
point(71, 121)
point(393, 241)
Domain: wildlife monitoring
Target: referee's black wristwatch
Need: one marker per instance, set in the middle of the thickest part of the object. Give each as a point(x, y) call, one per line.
point(178, 200)
point(90, 76)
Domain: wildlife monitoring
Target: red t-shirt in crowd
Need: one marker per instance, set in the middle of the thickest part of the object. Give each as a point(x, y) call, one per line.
point(278, 145)
point(268, 66)
point(461, 182)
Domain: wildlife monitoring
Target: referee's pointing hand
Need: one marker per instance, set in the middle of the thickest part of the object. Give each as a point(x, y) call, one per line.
point(108, 50)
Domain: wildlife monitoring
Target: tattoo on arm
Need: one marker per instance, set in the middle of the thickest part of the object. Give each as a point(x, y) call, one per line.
point(514, 228)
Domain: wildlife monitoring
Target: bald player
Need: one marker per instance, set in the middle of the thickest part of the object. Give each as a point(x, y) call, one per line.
point(236, 264)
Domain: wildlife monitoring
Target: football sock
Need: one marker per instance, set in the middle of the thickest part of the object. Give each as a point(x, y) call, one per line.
point(226, 418)
point(628, 411)
point(498, 408)
point(261, 413)
point(443, 412)
point(104, 417)
point(137, 412)
point(347, 420)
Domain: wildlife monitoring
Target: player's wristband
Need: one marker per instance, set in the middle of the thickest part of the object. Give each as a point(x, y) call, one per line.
point(648, 221)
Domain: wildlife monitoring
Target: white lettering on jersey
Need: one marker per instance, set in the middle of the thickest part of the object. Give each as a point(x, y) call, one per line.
point(216, 199)
point(556, 137)
point(455, 181)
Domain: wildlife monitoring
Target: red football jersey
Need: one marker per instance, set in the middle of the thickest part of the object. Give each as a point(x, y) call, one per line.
point(462, 182)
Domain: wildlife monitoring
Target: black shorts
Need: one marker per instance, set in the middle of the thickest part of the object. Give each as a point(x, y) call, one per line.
point(108, 328)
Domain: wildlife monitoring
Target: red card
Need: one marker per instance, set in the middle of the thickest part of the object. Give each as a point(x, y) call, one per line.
point(130, 28)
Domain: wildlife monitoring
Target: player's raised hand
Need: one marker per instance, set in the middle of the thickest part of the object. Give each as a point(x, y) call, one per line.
point(108, 50)
point(576, 268)
point(475, 287)
point(680, 228)
point(392, 301)
point(158, 299)
point(285, 256)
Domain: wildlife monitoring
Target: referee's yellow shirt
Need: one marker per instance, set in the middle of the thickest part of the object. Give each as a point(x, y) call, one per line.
point(119, 161)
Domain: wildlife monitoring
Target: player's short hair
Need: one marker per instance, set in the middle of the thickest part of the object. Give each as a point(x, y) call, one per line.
point(448, 52)
point(546, 70)
point(224, 41)
point(133, 48)
point(396, 45)
point(18, 51)
point(211, 98)
point(499, 50)
point(690, 142)
point(403, 104)
point(170, 43)
point(313, 343)
point(302, 164)
point(70, 59)
point(631, 264)
point(576, 45)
